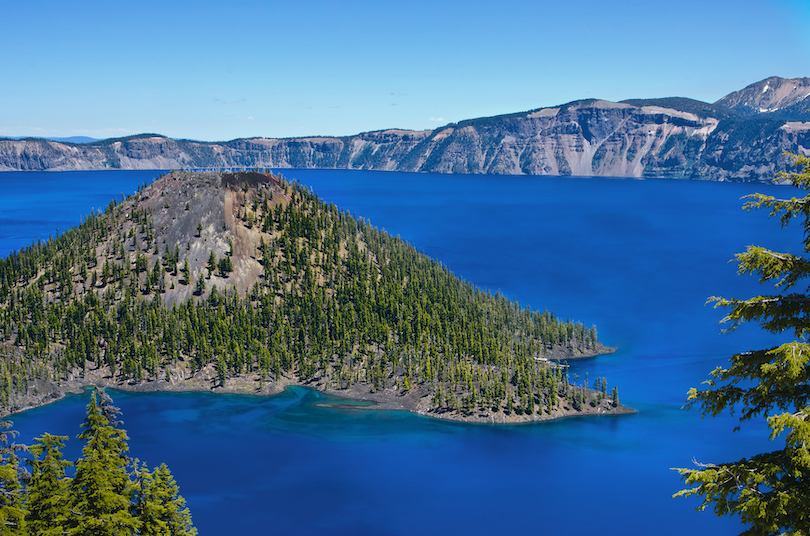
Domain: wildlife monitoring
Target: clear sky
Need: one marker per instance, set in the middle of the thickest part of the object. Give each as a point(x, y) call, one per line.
point(216, 70)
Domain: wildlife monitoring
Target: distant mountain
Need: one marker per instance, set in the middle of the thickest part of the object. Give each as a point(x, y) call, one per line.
point(774, 97)
point(75, 139)
point(741, 137)
point(70, 139)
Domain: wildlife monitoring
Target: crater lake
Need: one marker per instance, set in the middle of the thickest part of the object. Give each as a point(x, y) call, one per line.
point(637, 258)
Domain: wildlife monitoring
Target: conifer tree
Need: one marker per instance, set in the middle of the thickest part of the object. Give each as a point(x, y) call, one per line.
point(186, 272)
point(769, 491)
point(101, 491)
point(47, 499)
point(199, 286)
point(160, 508)
point(12, 515)
point(212, 263)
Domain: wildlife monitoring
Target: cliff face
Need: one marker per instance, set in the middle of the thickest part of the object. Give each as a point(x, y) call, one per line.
point(742, 137)
point(373, 150)
point(584, 138)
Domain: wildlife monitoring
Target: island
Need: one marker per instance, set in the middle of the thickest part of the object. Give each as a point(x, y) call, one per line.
point(243, 282)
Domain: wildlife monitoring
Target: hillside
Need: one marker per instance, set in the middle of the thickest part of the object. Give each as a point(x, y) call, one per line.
point(741, 137)
point(242, 282)
point(774, 98)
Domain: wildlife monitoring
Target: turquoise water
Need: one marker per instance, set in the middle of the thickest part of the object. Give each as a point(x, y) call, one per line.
point(637, 258)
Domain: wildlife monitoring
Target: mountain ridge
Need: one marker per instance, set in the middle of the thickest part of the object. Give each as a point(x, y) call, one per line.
point(742, 137)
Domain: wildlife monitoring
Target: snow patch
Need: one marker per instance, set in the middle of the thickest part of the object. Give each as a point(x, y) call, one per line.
point(796, 126)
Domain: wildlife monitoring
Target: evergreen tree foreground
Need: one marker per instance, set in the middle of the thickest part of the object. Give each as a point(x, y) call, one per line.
point(770, 492)
point(110, 494)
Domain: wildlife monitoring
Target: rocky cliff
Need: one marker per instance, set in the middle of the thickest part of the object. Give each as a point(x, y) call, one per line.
point(741, 137)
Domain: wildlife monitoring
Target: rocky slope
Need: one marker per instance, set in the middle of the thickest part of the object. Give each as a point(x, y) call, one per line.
point(741, 137)
point(773, 97)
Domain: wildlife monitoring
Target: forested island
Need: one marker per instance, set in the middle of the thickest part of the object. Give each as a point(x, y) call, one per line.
point(246, 283)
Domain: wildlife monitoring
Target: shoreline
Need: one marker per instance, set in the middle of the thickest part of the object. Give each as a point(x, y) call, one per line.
point(417, 401)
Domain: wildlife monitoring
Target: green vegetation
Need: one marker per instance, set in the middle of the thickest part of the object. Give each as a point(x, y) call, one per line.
point(769, 491)
point(735, 137)
point(337, 303)
point(110, 494)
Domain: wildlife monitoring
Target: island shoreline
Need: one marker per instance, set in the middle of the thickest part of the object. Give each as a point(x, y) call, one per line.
point(416, 401)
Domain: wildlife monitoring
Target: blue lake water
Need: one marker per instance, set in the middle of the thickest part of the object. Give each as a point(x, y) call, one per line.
point(636, 258)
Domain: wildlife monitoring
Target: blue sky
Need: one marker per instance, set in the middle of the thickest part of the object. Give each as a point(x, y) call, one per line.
point(222, 70)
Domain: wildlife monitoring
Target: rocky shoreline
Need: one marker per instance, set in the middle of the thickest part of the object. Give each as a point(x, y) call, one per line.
point(43, 392)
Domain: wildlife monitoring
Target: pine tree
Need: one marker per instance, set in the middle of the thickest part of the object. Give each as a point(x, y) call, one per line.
point(186, 272)
point(12, 515)
point(199, 287)
point(47, 492)
point(160, 508)
point(100, 491)
point(212, 263)
point(225, 266)
point(769, 491)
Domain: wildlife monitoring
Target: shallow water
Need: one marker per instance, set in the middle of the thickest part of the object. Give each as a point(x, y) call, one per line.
point(636, 258)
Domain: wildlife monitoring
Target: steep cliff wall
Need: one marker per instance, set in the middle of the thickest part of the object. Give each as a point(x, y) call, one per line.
point(735, 139)
point(585, 138)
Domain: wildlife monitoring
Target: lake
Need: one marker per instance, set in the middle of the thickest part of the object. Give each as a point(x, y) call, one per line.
point(636, 258)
